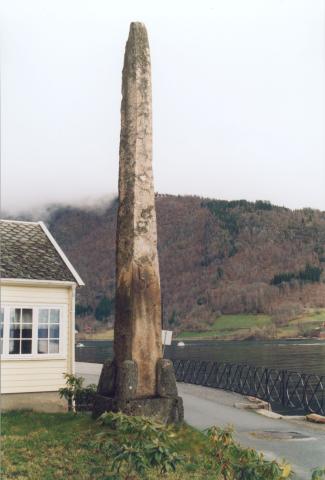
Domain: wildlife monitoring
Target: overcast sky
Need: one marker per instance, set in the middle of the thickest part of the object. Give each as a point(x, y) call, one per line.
point(238, 98)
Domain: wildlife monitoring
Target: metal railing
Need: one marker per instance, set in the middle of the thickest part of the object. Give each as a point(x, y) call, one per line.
point(292, 390)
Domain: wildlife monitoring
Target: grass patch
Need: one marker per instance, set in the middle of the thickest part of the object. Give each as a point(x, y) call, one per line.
point(56, 446)
point(226, 325)
point(314, 316)
point(101, 335)
point(232, 327)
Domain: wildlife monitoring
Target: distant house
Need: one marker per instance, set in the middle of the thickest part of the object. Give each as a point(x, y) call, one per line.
point(37, 316)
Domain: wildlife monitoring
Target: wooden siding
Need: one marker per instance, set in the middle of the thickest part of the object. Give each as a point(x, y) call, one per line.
point(38, 374)
point(18, 376)
point(32, 295)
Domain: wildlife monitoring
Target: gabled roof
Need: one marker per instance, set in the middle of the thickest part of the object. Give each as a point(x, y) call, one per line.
point(28, 251)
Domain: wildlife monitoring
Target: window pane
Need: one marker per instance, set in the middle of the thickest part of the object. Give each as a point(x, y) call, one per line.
point(27, 315)
point(43, 315)
point(1, 330)
point(15, 315)
point(54, 346)
point(2, 315)
point(14, 330)
point(42, 346)
point(26, 346)
point(55, 316)
point(54, 331)
point(43, 331)
point(14, 346)
point(26, 331)
point(1, 346)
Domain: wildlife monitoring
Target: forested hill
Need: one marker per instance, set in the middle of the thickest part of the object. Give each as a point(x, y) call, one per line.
point(215, 256)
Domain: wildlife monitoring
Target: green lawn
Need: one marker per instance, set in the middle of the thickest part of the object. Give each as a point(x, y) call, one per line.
point(39, 446)
point(230, 326)
point(313, 315)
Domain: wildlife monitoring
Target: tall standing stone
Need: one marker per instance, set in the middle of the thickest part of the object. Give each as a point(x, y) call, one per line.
point(138, 381)
point(138, 308)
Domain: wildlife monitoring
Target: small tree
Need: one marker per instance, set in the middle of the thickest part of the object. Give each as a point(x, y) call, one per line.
point(71, 390)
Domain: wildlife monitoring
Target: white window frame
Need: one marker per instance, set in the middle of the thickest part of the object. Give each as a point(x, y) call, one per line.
point(62, 354)
point(3, 327)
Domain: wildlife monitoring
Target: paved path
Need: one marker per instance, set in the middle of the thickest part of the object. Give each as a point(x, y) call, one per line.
point(205, 407)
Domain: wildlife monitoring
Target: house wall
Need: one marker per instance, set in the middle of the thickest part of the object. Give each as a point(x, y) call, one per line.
point(37, 374)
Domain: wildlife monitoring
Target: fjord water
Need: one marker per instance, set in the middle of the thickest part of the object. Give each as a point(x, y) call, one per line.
point(304, 356)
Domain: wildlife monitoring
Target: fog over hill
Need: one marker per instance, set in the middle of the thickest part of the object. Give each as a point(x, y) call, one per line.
point(215, 256)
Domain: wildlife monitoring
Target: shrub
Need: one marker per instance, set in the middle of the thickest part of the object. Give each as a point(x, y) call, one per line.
point(145, 445)
point(75, 393)
point(318, 474)
point(231, 461)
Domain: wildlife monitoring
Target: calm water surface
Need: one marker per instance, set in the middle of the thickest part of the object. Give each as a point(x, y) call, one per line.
point(302, 356)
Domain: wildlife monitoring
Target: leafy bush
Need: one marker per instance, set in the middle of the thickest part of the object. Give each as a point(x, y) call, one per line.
point(233, 462)
point(75, 393)
point(318, 474)
point(140, 448)
point(146, 445)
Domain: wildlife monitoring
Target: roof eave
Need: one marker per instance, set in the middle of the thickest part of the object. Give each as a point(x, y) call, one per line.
point(36, 282)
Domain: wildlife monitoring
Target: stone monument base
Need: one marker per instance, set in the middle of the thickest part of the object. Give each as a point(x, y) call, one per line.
point(166, 410)
point(117, 392)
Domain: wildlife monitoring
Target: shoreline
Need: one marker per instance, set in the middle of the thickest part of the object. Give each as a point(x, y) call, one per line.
point(222, 340)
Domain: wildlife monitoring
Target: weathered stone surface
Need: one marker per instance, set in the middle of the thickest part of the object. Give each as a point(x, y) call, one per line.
point(127, 380)
point(166, 381)
point(139, 382)
point(167, 410)
point(269, 414)
point(107, 379)
point(315, 418)
point(137, 332)
point(260, 403)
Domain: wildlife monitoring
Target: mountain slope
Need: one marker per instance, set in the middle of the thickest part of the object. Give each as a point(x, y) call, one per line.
point(215, 256)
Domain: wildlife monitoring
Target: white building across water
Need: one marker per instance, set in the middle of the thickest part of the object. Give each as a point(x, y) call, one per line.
point(37, 316)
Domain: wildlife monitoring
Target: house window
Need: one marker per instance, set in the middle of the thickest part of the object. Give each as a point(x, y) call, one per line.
point(20, 331)
point(2, 316)
point(30, 332)
point(48, 330)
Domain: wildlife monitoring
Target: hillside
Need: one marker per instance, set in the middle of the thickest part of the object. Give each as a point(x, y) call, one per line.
point(215, 256)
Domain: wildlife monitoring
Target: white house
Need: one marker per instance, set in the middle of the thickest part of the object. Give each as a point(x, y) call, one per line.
point(37, 319)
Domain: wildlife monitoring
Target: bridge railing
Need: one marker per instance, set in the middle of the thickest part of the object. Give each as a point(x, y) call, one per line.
point(292, 390)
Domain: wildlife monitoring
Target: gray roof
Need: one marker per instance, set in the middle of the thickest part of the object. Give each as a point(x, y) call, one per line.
point(27, 251)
